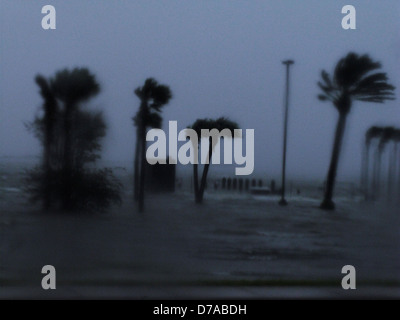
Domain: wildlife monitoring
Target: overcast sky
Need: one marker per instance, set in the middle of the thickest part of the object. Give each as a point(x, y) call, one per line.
point(220, 58)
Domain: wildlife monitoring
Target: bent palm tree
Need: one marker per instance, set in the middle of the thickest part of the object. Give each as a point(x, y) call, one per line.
point(385, 137)
point(372, 133)
point(392, 162)
point(353, 79)
point(153, 97)
point(220, 124)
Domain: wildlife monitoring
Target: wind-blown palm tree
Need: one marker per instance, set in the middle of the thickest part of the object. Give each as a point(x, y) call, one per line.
point(353, 79)
point(220, 124)
point(153, 97)
point(371, 134)
point(72, 87)
point(385, 137)
point(50, 110)
point(392, 162)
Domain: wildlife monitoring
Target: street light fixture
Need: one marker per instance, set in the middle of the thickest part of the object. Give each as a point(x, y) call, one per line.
point(283, 202)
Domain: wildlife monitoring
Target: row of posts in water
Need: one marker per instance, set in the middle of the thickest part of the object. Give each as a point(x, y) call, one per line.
point(239, 184)
point(234, 184)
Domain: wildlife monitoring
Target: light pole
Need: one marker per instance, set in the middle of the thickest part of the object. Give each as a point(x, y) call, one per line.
point(283, 202)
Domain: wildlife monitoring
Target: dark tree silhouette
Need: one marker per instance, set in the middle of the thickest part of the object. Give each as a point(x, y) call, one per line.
point(353, 79)
point(209, 124)
point(72, 87)
point(385, 137)
point(153, 97)
point(63, 128)
point(372, 133)
point(49, 119)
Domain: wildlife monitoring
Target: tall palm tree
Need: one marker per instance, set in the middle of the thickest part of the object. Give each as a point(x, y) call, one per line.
point(153, 97)
point(353, 79)
point(371, 134)
point(72, 87)
point(209, 124)
point(50, 110)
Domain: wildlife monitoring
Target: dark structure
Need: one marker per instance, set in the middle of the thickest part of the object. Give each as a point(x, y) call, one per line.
point(160, 177)
point(273, 186)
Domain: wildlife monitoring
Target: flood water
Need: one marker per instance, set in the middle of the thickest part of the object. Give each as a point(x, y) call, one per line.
point(231, 239)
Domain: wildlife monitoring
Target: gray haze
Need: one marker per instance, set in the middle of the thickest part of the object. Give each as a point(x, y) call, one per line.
point(220, 58)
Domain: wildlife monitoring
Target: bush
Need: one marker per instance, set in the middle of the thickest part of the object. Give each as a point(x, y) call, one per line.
point(93, 189)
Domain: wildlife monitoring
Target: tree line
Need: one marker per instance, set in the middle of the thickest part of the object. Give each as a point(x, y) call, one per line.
point(377, 140)
point(71, 136)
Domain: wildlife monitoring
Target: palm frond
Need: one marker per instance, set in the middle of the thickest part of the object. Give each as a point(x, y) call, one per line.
point(209, 124)
point(74, 85)
point(326, 78)
point(373, 133)
point(323, 97)
point(353, 79)
point(352, 68)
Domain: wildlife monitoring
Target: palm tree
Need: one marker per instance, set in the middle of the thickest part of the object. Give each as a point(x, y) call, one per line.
point(353, 79)
point(372, 133)
point(385, 138)
point(209, 124)
point(50, 110)
point(153, 97)
point(72, 87)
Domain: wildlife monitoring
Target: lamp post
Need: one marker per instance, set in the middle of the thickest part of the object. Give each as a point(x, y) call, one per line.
point(283, 202)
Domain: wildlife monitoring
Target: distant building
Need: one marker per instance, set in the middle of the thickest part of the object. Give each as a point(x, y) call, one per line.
point(160, 178)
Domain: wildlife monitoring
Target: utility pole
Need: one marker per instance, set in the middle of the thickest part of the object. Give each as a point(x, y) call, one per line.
point(283, 202)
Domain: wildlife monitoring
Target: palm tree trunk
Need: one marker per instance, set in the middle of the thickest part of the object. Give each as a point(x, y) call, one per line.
point(196, 183)
point(398, 172)
point(365, 171)
point(378, 174)
point(136, 167)
point(67, 157)
point(46, 157)
point(142, 167)
point(392, 170)
point(205, 173)
point(327, 203)
point(375, 175)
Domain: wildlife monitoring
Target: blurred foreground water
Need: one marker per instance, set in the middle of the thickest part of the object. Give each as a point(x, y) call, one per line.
point(233, 239)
